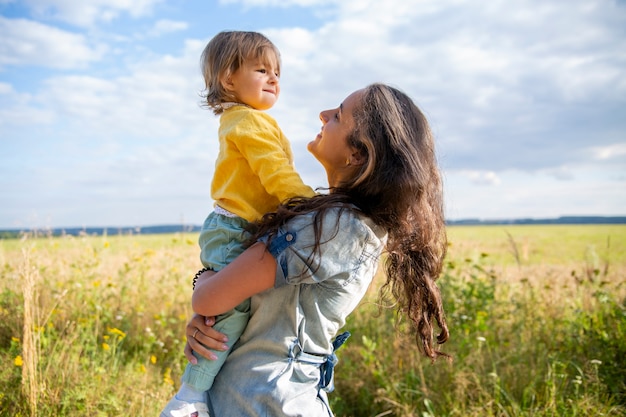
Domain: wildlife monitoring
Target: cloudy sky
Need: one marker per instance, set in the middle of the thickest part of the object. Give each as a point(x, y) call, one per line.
point(100, 122)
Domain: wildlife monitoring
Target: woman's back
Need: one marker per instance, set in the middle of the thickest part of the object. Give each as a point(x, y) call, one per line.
point(275, 367)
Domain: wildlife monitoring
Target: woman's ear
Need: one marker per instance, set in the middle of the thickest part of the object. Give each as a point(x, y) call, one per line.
point(357, 158)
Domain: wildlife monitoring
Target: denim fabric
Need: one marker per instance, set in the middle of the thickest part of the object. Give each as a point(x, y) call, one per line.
point(274, 369)
point(221, 241)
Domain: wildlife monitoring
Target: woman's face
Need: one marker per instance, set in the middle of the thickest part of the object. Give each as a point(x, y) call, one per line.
point(331, 148)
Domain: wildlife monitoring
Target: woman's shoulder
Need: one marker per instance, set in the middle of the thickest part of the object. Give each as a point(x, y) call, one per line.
point(348, 221)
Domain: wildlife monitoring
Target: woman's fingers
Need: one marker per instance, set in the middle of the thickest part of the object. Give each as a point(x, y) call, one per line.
point(189, 354)
point(201, 338)
point(195, 345)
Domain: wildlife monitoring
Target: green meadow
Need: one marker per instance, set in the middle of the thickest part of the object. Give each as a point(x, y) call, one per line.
point(93, 325)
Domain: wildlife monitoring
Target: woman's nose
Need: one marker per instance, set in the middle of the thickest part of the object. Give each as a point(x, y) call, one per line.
point(323, 117)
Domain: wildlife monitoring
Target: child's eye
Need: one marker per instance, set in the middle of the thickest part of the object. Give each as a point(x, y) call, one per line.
point(262, 70)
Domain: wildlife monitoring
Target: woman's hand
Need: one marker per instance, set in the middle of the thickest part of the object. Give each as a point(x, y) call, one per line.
point(201, 337)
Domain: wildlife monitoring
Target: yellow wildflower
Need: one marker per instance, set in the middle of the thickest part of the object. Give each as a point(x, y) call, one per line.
point(167, 377)
point(18, 361)
point(153, 359)
point(116, 331)
point(106, 346)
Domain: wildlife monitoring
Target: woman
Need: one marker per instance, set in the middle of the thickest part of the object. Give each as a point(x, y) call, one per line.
point(313, 260)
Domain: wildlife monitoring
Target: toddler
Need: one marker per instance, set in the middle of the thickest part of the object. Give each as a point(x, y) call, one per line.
point(254, 172)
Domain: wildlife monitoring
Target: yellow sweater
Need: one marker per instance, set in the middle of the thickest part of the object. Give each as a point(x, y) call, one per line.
point(254, 171)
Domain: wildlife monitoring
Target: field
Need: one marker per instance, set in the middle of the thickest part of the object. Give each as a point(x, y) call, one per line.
point(94, 326)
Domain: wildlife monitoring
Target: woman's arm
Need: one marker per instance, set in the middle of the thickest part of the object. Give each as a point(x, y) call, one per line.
point(250, 273)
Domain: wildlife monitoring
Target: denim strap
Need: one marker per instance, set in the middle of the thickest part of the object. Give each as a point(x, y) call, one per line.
point(327, 363)
point(328, 367)
point(280, 243)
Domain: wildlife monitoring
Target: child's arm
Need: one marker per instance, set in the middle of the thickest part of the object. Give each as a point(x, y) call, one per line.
point(268, 152)
point(250, 273)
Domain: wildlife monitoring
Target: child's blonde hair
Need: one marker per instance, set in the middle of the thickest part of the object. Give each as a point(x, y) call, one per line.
point(224, 55)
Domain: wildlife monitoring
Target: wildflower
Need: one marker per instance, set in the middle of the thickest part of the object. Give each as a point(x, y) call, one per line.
point(18, 361)
point(116, 331)
point(596, 362)
point(167, 377)
point(106, 244)
point(152, 359)
point(105, 346)
point(481, 339)
point(15, 339)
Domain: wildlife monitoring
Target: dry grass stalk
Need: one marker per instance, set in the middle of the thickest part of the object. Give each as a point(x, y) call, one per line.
point(29, 334)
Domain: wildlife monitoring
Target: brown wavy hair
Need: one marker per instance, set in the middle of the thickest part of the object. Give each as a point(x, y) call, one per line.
point(400, 188)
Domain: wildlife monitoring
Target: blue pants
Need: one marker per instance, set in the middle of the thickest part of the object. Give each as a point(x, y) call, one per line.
point(221, 241)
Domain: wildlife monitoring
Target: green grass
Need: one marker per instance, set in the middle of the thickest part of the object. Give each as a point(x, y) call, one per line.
point(537, 314)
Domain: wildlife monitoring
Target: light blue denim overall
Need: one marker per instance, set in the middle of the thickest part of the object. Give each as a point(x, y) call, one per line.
point(283, 363)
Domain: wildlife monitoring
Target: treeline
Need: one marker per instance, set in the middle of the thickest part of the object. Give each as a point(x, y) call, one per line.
point(98, 231)
point(557, 220)
point(164, 229)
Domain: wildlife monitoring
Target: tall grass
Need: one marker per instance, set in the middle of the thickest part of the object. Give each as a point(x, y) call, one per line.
point(94, 325)
point(528, 338)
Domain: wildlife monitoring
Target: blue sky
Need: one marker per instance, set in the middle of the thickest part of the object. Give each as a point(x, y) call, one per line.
point(100, 123)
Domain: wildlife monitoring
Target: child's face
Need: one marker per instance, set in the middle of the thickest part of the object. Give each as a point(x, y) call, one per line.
point(256, 84)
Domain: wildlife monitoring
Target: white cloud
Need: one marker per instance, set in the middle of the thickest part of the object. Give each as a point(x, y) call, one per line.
point(20, 109)
point(26, 42)
point(610, 152)
point(87, 12)
point(535, 196)
point(6, 88)
point(279, 3)
point(482, 177)
point(165, 26)
point(563, 173)
point(153, 100)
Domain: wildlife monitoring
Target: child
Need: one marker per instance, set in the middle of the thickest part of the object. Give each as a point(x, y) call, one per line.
point(253, 173)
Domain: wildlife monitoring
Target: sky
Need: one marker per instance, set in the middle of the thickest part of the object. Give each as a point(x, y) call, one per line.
point(101, 122)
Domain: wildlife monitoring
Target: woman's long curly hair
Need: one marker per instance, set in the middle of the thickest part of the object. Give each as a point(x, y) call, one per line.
point(400, 188)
